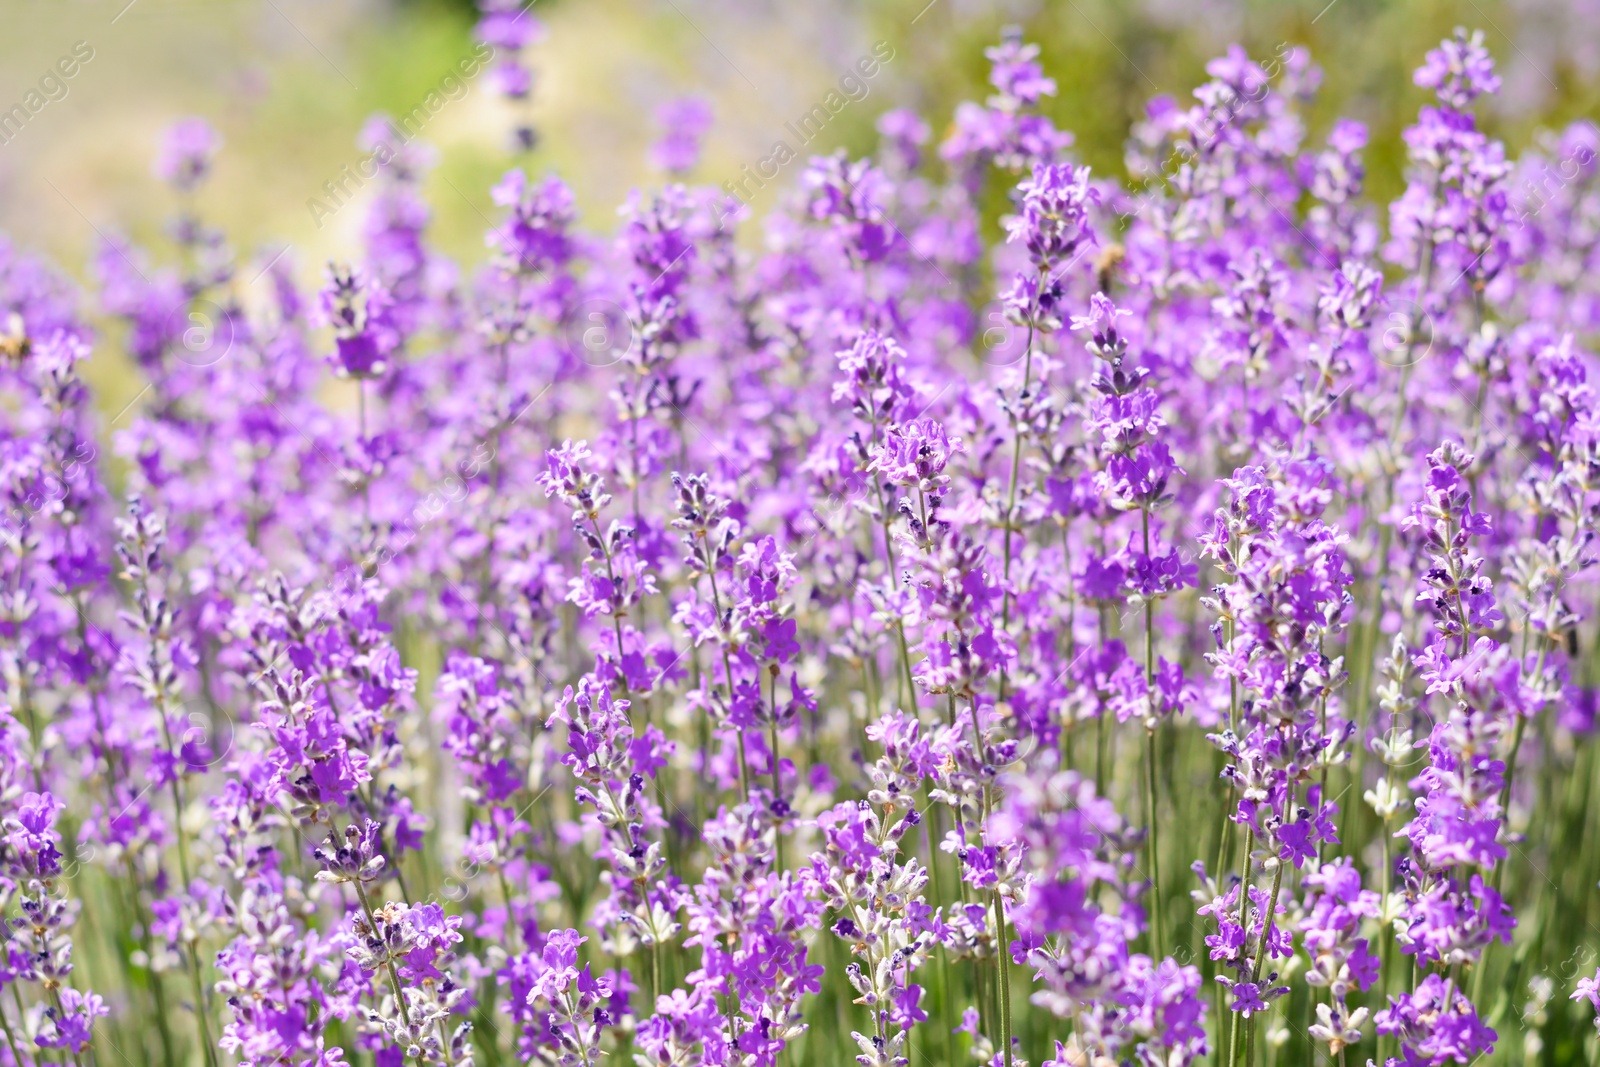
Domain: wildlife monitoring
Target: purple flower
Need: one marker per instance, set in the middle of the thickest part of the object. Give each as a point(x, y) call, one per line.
point(1588, 989)
point(1053, 217)
point(794, 584)
point(1247, 999)
point(364, 332)
point(534, 236)
point(914, 456)
point(186, 153)
point(1436, 1025)
point(1460, 70)
point(683, 122)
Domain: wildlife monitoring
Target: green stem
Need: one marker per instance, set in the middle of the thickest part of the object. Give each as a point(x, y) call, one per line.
point(1005, 977)
point(1011, 504)
point(394, 976)
point(910, 697)
point(16, 1057)
point(1266, 934)
point(444, 1043)
point(1244, 924)
point(1158, 923)
point(945, 1004)
point(1386, 935)
point(777, 786)
point(200, 1012)
point(1482, 967)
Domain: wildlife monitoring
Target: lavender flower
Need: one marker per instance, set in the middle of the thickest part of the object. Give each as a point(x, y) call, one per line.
point(187, 153)
point(827, 658)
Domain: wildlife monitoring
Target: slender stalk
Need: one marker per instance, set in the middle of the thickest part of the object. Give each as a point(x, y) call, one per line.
point(1005, 977)
point(633, 459)
point(1482, 967)
point(361, 428)
point(616, 620)
point(394, 976)
point(1158, 923)
point(910, 697)
point(1367, 640)
point(655, 965)
point(16, 1057)
point(1011, 491)
point(727, 673)
point(157, 986)
point(1266, 922)
point(1385, 936)
point(444, 1043)
point(1266, 934)
point(1238, 1023)
point(505, 899)
point(1100, 753)
point(1244, 924)
point(777, 786)
point(200, 1011)
point(945, 1003)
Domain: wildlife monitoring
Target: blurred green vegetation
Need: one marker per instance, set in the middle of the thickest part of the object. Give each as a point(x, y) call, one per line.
point(289, 83)
point(1110, 57)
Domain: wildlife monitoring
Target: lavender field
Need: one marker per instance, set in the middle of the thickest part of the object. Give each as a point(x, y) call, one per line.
point(937, 604)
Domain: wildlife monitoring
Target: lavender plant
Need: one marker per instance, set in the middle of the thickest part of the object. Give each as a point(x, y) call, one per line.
point(643, 649)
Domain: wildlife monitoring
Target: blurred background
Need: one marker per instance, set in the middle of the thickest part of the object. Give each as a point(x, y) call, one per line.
point(289, 83)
